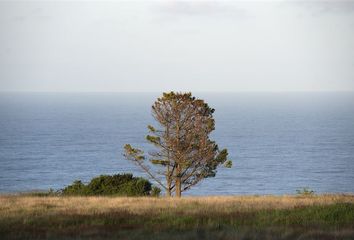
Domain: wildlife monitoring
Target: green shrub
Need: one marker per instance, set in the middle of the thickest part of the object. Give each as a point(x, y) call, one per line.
point(155, 191)
point(119, 185)
point(305, 191)
point(77, 188)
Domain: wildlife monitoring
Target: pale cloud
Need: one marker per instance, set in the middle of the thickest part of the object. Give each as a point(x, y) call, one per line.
point(175, 45)
point(201, 8)
point(320, 8)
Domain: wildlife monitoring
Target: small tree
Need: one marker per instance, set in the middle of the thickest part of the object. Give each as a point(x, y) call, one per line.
point(184, 152)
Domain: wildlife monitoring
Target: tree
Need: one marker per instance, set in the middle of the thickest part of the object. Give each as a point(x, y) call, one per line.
point(185, 153)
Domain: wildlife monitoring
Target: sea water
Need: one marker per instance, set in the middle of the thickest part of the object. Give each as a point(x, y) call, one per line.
point(278, 142)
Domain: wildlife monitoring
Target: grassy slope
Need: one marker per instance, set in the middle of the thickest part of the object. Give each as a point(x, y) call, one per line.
point(242, 217)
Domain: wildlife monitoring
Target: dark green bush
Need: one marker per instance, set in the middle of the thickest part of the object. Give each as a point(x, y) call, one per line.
point(119, 185)
point(77, 188)
point(155, 191)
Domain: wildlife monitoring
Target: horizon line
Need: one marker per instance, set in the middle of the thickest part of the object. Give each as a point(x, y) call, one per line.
point(238, 91)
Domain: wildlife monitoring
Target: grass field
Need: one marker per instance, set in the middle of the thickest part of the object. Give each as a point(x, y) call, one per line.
point(239, 217)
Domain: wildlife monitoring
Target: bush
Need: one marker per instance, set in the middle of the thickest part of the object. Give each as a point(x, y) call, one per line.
point(118, 185)
point(77, 188)
point(155, 191)
point(305, 192)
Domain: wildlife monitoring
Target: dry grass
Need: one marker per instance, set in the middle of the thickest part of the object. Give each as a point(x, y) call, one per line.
point(13, 205)
point(39, 217)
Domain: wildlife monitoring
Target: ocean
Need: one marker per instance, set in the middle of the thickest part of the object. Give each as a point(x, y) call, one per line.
point(278, 142)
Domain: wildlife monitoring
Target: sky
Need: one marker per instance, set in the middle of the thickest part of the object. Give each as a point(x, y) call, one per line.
point(154, 46)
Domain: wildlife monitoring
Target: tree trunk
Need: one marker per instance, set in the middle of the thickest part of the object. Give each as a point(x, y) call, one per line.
point(178, 187)
point(168, 190)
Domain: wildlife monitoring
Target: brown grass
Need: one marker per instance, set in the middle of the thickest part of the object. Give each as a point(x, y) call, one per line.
point(13, 205)
point(283, 217)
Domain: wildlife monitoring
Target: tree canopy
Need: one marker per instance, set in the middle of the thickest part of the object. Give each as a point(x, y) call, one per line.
point(184, 151)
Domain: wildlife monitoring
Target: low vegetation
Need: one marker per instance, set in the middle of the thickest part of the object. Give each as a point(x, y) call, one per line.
point(104, 185)
point(242, 217)
point(306, 191)
point(118, 185)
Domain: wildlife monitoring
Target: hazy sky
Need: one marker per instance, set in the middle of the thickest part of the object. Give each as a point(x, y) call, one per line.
point(175, 45)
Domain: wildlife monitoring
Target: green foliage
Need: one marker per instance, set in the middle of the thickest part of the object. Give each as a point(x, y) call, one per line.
point(77, 188)
point(306, 191)
point(153, 139)
point(118, 185)
point(134, 153)
point(155, 191)
point(151, 128)
point(228, 164)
